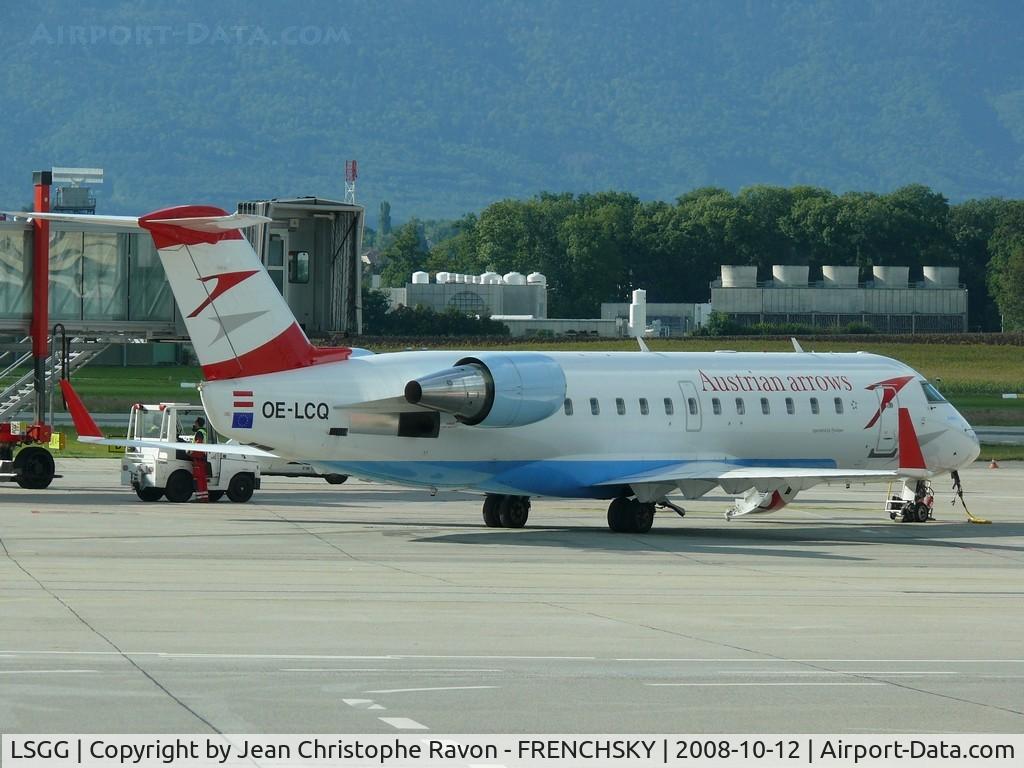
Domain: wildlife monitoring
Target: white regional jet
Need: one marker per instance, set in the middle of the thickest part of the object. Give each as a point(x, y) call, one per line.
point(631, 427)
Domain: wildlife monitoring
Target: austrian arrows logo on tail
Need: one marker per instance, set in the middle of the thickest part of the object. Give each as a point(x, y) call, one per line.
point(224, 283)
point(889, 389)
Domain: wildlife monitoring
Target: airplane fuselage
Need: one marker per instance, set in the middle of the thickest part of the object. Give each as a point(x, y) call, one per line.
point(622, 413)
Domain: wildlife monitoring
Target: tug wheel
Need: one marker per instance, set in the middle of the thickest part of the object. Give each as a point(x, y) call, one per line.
point(34, 466)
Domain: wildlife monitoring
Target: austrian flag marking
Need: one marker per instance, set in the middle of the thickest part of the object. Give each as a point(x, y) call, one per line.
point(242, 418)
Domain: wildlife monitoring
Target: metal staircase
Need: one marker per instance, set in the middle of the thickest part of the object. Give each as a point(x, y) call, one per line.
point(18, 393)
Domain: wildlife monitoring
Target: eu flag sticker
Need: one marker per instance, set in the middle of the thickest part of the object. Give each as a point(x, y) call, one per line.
point(241, 421)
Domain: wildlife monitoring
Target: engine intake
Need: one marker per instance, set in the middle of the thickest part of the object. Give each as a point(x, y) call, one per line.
point(493, 390)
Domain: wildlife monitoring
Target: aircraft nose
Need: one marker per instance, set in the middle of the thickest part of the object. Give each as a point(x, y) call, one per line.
point(968, 446)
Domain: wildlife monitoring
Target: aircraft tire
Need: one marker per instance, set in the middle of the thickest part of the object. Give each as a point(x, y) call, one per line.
point(492, 518)
point(923, 513)
point(241, 487)
point(620, 517)
point(150, 494)
point(180, 486)
point(513, 511)
point(643, 517)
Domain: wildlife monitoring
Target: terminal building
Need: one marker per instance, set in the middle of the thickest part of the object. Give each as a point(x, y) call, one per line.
point(110, 284)
point(889, 301)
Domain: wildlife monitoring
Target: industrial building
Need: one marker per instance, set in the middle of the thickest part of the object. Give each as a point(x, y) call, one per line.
point(889, 302)
point(510, 295)
point(663, 319)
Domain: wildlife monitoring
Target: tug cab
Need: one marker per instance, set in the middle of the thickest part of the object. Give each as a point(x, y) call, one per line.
point(155, 473)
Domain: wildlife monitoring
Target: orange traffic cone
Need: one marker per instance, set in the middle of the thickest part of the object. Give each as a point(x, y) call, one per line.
point(993, 464)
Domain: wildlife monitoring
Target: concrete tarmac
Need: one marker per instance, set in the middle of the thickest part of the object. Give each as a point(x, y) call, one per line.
point(370, 608)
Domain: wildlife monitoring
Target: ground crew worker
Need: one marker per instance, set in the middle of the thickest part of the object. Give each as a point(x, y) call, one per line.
point(199, 460)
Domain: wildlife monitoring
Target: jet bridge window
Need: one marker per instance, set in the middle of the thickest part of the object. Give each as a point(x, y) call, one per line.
point(766, 409)
point(644, 409)
point(567, 406)
point(595, 407)
point(298, 266)
point(839, 404)
point(790, 406)
point(931, 394)
point(814, 406)
point(741, 407)
point(716, 406)
point(620, 406)
point(669, 407)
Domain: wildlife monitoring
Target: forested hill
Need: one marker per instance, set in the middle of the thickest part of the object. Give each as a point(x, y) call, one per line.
point(451, 105)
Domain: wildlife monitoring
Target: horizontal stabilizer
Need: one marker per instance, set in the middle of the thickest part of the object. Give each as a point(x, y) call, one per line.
point(224, 223)
point(131, 222)
point(218, 223)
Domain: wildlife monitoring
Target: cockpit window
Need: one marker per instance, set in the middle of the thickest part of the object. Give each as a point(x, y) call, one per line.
point(931, 393)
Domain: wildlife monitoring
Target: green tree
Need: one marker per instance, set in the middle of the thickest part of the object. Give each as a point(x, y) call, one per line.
point(404, 255)
point(1006, 269)
point(972, 225)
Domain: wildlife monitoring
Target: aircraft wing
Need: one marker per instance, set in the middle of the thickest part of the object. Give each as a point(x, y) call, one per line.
point(721, 471)
point(88, 432)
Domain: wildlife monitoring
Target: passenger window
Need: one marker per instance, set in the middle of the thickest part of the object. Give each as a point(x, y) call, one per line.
point(716, 406)
point(620, 406)
point(644, 410)
point(595, 407)
point(691, 403)
point(814, 406)
point(790, 406)
point(765, 408)
point(669, 407)
point(567, 405)
point(741, 407)
point(839, 405)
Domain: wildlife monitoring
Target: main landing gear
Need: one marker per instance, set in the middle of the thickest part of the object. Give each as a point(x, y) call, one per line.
point(502, 511)
point(630, 516)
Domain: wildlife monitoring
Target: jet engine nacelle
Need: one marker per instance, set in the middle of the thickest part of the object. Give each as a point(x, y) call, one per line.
point(493, 389)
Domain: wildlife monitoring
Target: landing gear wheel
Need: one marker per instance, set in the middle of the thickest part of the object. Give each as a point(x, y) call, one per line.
point(34, 466)
point(513, 511)
point(180, 486)
point(923, 513)
point(335, 479)
point(491, 517)
point(150, 494)
point(908, 514)
point(215, 495)
point(643, 517)
point(620, 517)
point(241, 487)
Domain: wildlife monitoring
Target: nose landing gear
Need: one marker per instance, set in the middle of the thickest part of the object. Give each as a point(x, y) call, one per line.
point(914, 505)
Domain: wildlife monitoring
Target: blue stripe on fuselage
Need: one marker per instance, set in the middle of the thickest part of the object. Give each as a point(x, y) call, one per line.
point(565, 478)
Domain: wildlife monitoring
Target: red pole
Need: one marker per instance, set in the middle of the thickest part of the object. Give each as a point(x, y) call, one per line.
point(39, 329)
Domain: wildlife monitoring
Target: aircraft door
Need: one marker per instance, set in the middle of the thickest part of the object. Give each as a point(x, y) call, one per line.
point(888, 421)
point(691, 406)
